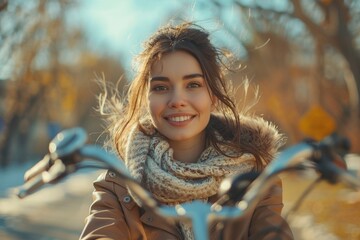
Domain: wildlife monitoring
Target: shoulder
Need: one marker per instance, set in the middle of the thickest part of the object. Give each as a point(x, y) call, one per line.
point(110, 180)
point(263, 136)
point(261, 133)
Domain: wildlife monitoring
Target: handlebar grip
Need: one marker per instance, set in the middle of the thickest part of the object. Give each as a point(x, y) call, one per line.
point(233, 188)
point(30, 186)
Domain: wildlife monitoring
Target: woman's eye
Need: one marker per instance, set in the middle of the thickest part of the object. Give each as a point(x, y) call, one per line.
point(194, 85)
point(159, 88)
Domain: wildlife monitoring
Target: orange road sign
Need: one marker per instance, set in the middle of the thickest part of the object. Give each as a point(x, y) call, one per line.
point(317, 123)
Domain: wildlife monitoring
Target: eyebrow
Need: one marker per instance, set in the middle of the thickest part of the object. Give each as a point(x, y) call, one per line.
point(186, 77)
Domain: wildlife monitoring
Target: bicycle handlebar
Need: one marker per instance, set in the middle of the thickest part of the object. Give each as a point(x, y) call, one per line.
point(68, 153)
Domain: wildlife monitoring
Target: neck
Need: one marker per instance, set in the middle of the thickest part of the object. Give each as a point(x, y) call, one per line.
point(188, 151)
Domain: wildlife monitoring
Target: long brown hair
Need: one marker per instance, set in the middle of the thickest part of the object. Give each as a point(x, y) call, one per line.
point(195, 40)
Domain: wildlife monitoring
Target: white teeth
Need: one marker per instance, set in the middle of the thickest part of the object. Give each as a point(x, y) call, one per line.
point(179, 119)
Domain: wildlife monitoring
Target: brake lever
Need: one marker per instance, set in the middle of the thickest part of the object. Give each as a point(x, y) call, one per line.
point(59, 162)
point(233, 188)
point(64, 144)
point(328, 157)
point(43, 165)
point(56, 172)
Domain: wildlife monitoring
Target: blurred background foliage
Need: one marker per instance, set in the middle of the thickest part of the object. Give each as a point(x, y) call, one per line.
point(50, 84)
point(302, 54)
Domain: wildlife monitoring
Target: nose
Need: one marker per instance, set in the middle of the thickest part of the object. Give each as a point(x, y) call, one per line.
point(177, 99)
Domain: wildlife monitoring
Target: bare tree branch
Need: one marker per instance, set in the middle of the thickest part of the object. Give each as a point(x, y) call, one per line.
point(314, 29)
point(3, 5)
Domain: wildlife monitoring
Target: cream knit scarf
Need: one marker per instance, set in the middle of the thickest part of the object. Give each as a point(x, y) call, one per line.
point(150, 161)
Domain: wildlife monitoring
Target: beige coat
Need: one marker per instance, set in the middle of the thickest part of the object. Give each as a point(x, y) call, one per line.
point(114, 215)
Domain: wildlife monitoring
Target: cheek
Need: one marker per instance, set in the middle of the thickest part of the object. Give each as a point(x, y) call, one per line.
point(154, 106)
point(204, 103)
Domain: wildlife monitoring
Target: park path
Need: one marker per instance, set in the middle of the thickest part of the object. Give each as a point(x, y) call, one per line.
point(56, 212)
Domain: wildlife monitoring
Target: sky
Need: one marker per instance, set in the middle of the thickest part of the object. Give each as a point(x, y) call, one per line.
point(120, 27)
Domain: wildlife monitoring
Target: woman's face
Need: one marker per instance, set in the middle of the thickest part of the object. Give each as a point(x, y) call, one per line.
point(178, 98)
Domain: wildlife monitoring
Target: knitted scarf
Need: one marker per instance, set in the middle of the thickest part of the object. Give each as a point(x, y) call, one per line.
point(149, 159)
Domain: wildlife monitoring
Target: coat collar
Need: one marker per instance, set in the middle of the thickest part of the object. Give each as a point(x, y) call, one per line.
point(254, 131)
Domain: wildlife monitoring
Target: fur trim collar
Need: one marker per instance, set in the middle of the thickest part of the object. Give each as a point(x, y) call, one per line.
point(262, 135)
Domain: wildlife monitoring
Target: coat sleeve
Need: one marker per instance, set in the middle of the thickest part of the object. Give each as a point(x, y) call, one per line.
point(267, 222)
point(106, 219)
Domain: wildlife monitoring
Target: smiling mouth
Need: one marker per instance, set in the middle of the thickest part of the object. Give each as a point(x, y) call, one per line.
point(179, 119)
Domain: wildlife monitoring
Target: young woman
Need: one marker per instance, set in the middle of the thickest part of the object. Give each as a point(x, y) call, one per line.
point(180, 134)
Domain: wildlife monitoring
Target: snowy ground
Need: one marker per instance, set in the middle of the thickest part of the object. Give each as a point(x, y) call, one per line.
point(55, 212)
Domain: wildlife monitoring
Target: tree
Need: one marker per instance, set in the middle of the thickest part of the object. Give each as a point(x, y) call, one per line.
point(51, 75)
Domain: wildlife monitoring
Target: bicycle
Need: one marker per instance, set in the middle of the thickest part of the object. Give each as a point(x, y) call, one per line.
point(68, 153)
